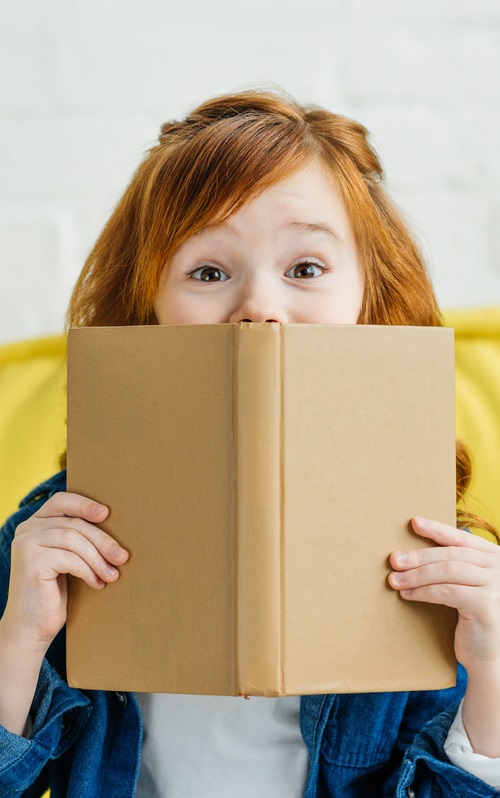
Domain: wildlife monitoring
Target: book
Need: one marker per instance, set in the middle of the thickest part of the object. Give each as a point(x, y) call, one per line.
point(260, 475)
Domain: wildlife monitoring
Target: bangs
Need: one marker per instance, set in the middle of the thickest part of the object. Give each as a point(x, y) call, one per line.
point(220, 168)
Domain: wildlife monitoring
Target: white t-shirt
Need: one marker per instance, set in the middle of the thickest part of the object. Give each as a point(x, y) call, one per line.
point(221, 747)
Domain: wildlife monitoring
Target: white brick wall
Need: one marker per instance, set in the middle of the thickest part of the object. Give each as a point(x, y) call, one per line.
point(84, 87)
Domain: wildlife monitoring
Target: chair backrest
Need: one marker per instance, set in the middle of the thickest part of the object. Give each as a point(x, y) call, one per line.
point(477, 367)
point(32, 416)
point(33, 409)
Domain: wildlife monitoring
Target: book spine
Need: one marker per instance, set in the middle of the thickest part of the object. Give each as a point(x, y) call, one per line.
point(257, 436)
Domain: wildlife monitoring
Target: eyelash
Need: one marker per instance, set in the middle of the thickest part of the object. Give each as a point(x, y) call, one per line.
point(320, 266)
point(301, 263)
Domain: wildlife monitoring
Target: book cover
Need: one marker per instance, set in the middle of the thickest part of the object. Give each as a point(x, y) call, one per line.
point(260, 475)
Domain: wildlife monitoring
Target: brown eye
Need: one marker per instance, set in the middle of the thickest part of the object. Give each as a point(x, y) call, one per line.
point(305, 270)
point(209, 274)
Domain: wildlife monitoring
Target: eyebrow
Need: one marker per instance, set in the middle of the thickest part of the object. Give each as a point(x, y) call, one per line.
point(311, 227)
point(307, 227)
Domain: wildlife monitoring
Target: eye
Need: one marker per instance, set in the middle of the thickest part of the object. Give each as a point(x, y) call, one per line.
point(209, 274)
point(305, 270)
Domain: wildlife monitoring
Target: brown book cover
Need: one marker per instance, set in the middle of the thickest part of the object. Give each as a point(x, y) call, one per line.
point(260, 475)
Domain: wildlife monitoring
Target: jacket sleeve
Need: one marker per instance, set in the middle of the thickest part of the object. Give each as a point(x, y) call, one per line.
point(426, 769)
point(58, 712)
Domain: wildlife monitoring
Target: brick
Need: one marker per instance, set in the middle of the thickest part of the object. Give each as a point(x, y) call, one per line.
point(423, 145)
point(150, 16)
point(69, 156)
point(28, 70)
point(89, 222)
point(454, 233)
point(495, 247)
point(33, 288)
point(431, 65)
point(413, 143)
point(99, 75)
point(431, 11)
point(475, 130)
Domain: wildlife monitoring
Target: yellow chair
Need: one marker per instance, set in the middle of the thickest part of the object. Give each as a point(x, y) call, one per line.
point(32, 416)
point(477, 368)
point(33, 412)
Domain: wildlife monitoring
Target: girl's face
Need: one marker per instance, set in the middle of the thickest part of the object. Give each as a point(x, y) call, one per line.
point(287, 256)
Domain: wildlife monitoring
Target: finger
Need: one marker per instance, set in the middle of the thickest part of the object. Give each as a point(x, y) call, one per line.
point(71, 540)
point(104, 543)
point(74, 506)
point(60, 510)
point(68, 562)
point(456, 596)
point(404, 560)
point(447, 572)
point(447, 535)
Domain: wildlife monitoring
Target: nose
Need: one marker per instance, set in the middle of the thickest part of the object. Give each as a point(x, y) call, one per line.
point(258, 304)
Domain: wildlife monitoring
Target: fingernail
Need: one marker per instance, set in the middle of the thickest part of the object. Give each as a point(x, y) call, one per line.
point(397, 577)
point(97, 509)
point(423, 521)
point(111, 571)
point(401, 556)
point(118, 552)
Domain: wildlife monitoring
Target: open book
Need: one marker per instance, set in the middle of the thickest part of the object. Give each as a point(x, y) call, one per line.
point(260, 475)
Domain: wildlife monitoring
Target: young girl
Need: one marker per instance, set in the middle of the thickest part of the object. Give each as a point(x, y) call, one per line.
point(251, 209)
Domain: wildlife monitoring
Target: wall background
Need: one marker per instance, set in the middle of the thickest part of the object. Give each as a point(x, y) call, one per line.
point(85, 85)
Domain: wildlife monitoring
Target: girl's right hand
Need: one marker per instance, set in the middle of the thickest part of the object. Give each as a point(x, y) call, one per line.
point(60, 538)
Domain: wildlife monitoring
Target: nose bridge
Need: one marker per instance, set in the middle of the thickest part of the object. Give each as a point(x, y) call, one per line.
point(259, 300)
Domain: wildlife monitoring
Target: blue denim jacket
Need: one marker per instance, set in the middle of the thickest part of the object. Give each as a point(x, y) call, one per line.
point(87, 744)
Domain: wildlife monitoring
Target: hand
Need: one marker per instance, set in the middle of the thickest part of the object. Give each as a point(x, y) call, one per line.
point(60, 538)
point(462, 571)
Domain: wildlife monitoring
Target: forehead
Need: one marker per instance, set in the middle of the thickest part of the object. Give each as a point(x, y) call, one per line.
point(307, 203)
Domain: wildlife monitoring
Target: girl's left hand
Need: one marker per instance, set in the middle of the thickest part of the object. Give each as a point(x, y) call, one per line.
point(462, 571)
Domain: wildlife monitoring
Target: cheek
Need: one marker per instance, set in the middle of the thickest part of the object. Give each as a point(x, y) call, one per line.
point(167, 308)
point(178, 306)
point(161, 310)
point(170, 306)
point(353, 295)
point(343, 305)
point(354, 301)
point(337, 314)
point(171, 310)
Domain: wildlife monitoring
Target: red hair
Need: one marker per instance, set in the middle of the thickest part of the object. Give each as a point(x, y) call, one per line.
point(206, 167)
point(225, 153)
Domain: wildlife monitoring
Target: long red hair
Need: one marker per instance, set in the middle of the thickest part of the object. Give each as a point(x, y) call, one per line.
point(225, 153)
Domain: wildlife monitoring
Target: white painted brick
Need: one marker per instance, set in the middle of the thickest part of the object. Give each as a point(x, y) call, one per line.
point(28, 69)
point(454, 233)
point(89, 222)
point(33, 286)
point(495, 243)
point(99, 75)
point(152, 16)
point(418, 63)
point(413, 144)
point(475, 128)
point(69, 155)
point(430, 11)
point(425, 145)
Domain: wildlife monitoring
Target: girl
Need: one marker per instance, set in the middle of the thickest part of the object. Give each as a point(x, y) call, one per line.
point(251, 209)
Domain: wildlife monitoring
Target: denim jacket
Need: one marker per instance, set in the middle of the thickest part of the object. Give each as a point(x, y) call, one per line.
point(87, 744)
